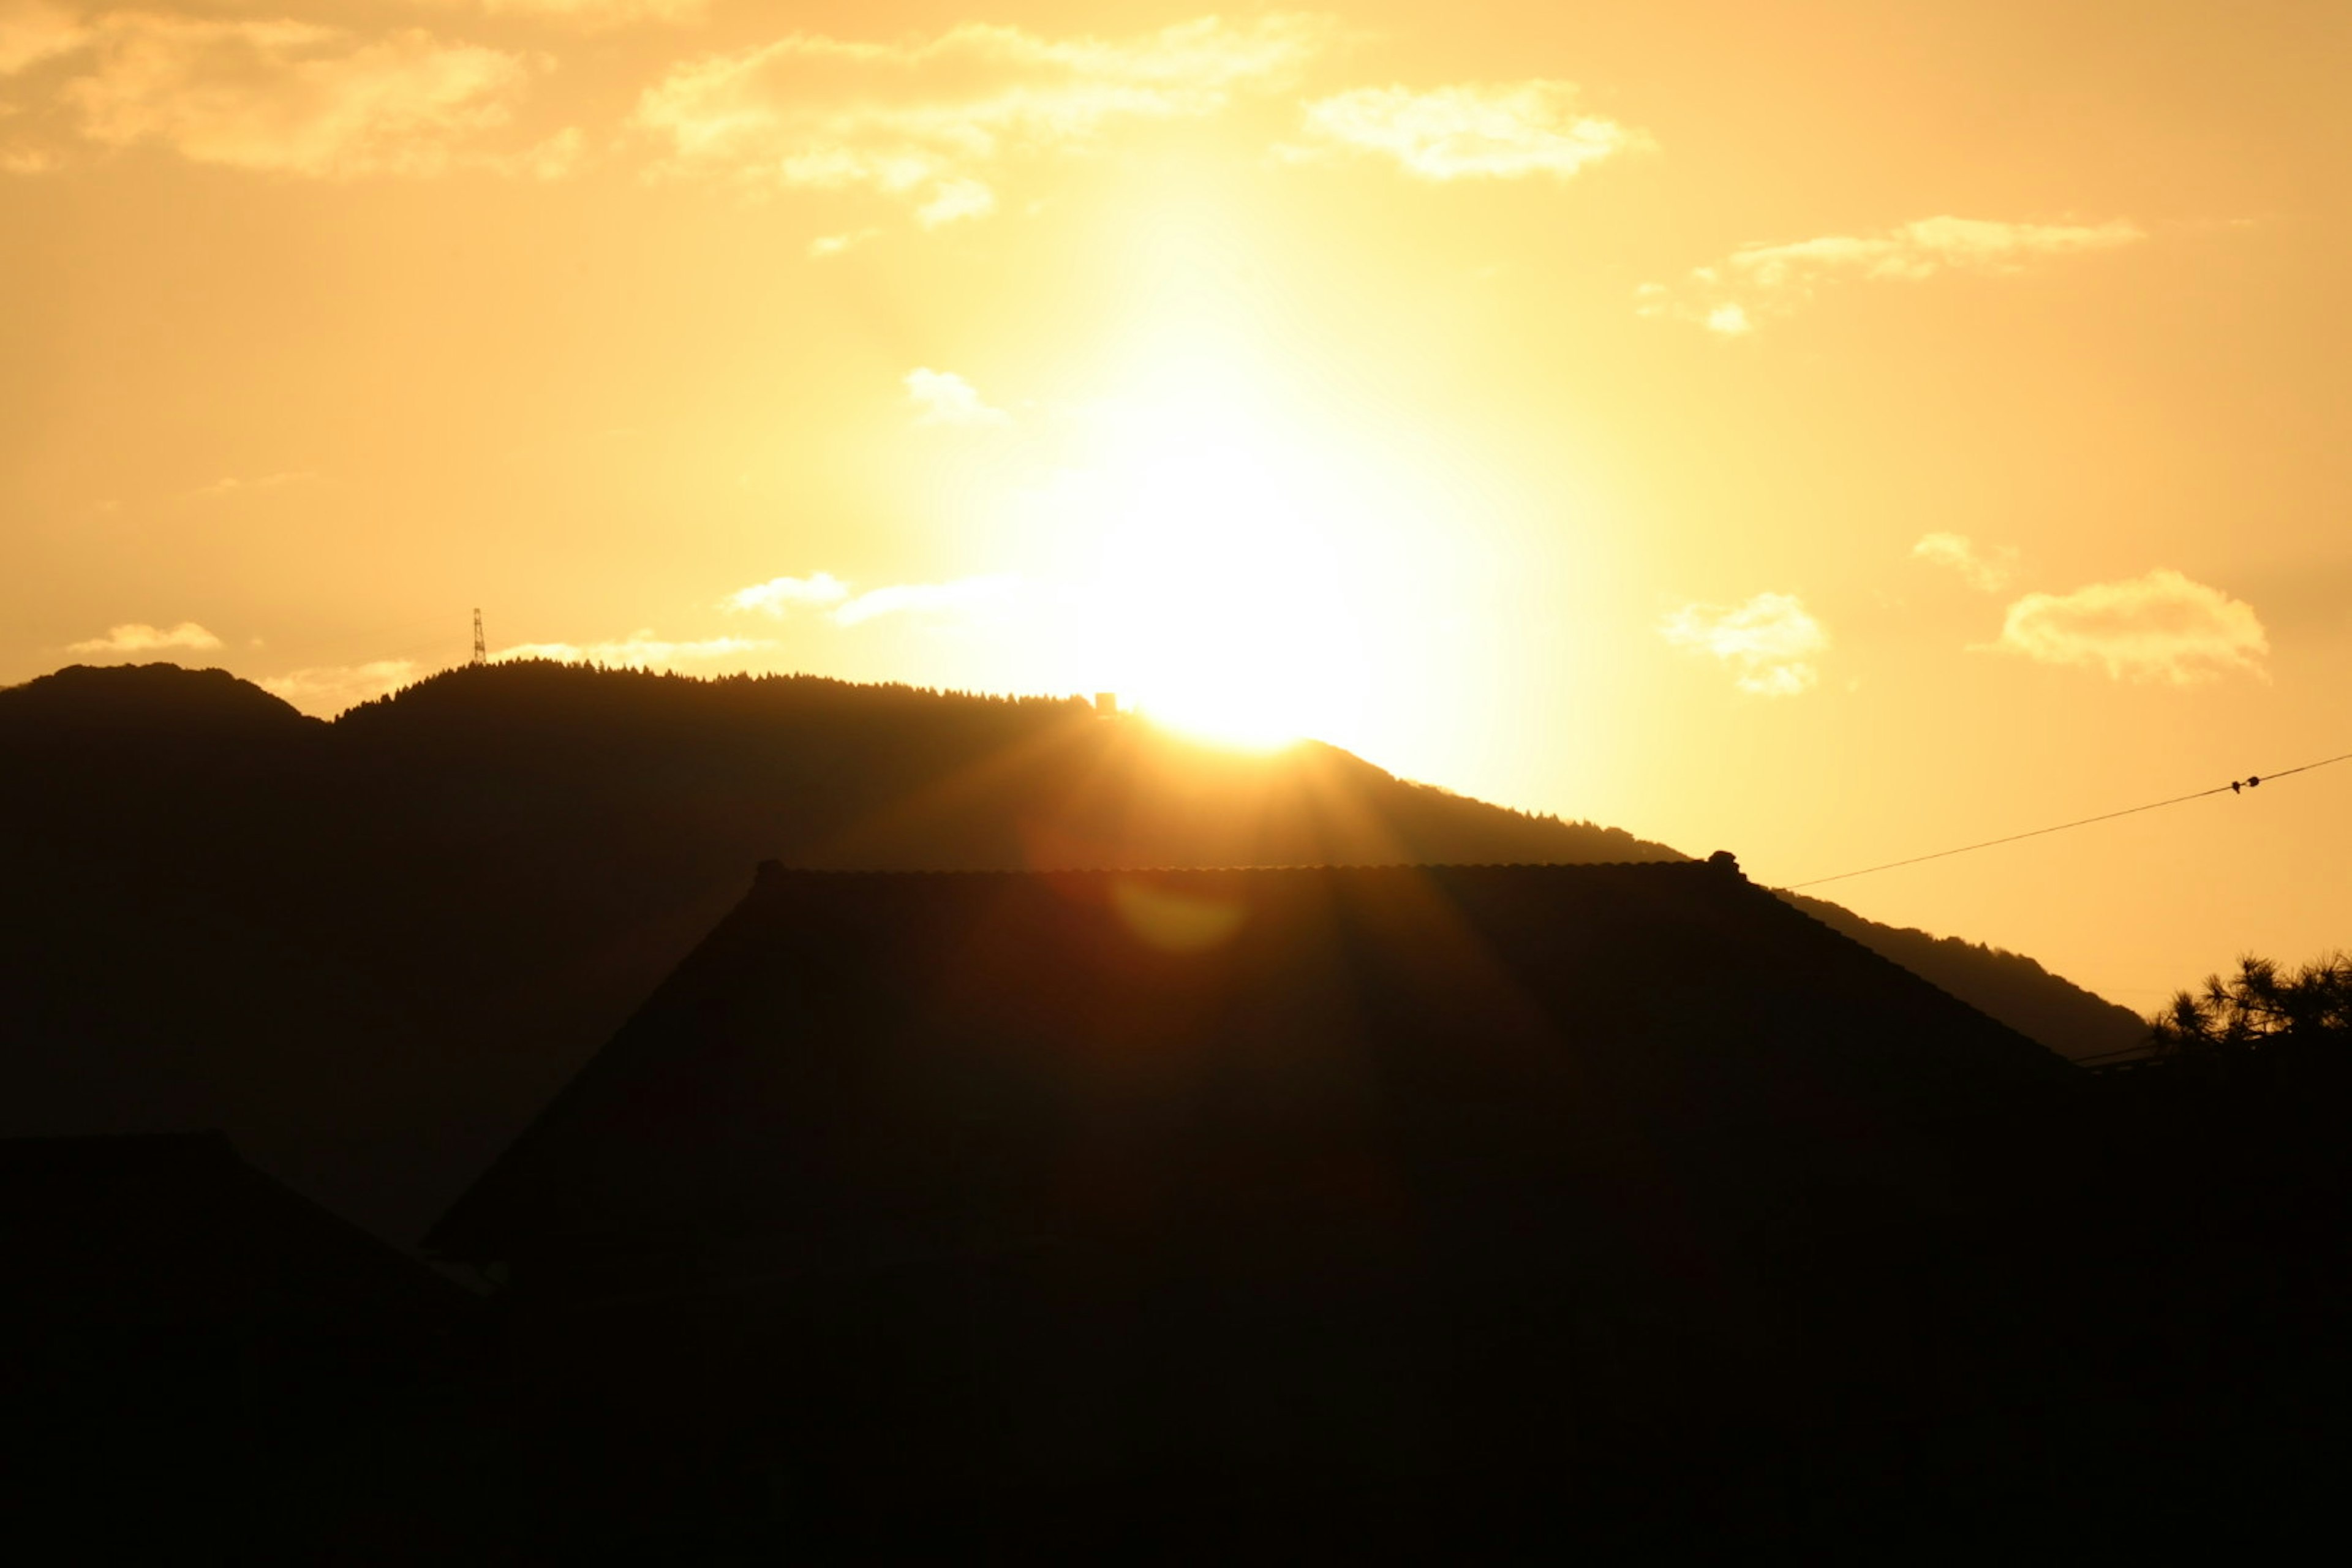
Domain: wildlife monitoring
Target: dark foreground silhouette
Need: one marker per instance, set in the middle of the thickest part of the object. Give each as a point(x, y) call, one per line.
point(1392, 1212)
point(371, 950)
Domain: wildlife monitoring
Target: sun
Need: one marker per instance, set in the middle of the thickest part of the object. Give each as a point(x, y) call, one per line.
point(1223, 580)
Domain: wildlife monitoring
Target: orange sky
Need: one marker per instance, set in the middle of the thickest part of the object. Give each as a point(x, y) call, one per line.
point(1830, 431)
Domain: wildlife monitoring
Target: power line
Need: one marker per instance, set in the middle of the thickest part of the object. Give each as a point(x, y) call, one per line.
point(2235, 786)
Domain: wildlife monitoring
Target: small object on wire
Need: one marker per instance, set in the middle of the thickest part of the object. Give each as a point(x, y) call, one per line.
point(2235, 786)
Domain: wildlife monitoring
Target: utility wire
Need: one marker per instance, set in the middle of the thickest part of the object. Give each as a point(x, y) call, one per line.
point(2235, 787)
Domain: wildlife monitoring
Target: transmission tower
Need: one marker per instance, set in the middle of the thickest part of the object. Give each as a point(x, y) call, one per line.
point(481, 649)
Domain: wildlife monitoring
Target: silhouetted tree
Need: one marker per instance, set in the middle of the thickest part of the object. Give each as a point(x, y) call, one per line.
point(2261, 1011)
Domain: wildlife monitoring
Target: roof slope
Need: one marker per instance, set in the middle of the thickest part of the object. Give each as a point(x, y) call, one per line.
point(859, 1067)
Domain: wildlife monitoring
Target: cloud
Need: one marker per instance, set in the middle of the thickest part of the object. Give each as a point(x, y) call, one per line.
point(286, 97)
point(778, 595)
point(955, 199)
point(137, 636)
point(32, 31)
point(594, 13)
point(923, 598)
point(553, 157)
point(2160, 626)
point(947, 398)
point(1475, 130)
point(1777, 279)
point(639, 650)
point(329, 690)
point(1988, 569)
point(926, 120)
point(1771, 641)
point(231, 486)
point(830, 245)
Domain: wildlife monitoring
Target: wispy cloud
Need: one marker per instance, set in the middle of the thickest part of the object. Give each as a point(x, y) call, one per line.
point(588, 14)
point(2160, 626)
point(640, 649)
point(954, 200)
point(1770, 642)
point(1760, 280)
point(32, 31)
point(232, 486)
point(329, 690)
point(943, 398)
point(924, 598)
point(779, 595)
point(1494, 131)
point(926, 122)
point(137, 636)
point(1987, 569)
point(281, 96)
point(553, 157)
point(825, 245)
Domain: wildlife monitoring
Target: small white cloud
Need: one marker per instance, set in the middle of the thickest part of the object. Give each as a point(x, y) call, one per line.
point(231, 486)
point(589, 14)
point(137, 636)
point(923, 598)
point(1757, 281)
point(956, 199)
point(1925, 247)
point(1494, 131)
point(1730, 320)
point(2160, 626)
point(639, 650)
point(1771, 642)
point(328, 689)
point(779, 594)
point(944, 397)
point(831, 245)
point(556, 157)
point(1987, 569)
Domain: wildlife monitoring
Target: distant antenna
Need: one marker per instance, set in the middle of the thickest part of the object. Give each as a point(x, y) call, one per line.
point(481, 649)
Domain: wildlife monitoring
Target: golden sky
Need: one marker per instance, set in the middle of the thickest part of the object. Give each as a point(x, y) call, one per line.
point(1828, 431)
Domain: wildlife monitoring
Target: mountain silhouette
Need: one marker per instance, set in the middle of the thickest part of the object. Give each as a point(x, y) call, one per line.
point(372, 949)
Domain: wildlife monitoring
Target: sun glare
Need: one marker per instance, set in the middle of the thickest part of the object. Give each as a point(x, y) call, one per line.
point(1221, 587)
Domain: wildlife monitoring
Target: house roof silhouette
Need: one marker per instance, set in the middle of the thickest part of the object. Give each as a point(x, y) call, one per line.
point(856, 1068)
point(164, 1230)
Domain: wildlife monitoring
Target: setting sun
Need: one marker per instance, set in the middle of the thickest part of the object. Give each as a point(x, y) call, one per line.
point(1220, 595)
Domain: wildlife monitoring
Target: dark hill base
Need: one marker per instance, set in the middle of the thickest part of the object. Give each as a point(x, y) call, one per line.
point(371, 950)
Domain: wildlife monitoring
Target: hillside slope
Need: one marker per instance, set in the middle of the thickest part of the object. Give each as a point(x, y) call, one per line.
point(2008, 985)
